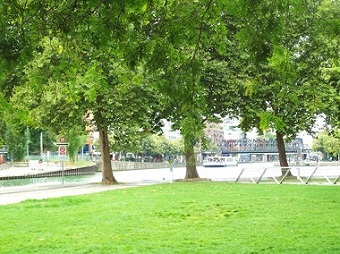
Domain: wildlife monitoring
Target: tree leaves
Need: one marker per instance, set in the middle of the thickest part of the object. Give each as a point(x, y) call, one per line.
point(131, 63)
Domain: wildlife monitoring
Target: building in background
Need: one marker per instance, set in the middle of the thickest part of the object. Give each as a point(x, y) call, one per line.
point(168, 132)
point(3, 154)
point(231, 131)
point(215, 132)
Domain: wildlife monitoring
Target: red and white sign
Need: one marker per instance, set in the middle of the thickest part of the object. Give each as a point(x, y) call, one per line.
point(62, 150)
point(62, 142)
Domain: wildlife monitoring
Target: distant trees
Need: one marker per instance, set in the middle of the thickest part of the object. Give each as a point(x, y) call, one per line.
point(328, 142)
point(151, 147)
point(75, 137)
point(16, 141)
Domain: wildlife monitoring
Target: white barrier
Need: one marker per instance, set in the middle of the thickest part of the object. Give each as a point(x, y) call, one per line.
point(306, 174)
point(303, 174)
point(257, 174)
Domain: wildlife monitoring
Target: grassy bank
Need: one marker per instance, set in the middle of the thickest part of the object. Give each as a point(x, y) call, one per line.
point(179, 218)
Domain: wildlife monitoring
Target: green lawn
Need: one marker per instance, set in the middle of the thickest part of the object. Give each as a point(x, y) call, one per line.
point(197, 217)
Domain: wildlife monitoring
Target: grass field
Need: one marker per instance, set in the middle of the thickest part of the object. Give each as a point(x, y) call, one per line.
point(198, 217)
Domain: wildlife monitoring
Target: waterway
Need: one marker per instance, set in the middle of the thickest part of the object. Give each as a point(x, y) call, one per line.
point(127, 176)
point(52, 180)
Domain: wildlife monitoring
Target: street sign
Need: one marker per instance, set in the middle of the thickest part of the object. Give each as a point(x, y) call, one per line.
point(62, 150)
point(62, 144)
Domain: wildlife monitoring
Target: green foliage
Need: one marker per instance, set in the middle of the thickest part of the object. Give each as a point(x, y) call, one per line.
point(2, 132)
point(283, 90)
point(86, 65)
point(208, 145)
point(128, 139)
point(328, 143)
point(34, 141)
point(274, 64)
point(162, 146)
point(330, 67)
point(190, 62)
point(52, 100)
point(206, 217)
point(16, 141)
point(76, 139)
point(146, 144)
point(283, 44)
point(12, 129)
point(281, 64)
point(268, 121)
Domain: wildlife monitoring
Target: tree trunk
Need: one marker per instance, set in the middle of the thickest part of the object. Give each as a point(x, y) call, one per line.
point(191, 170)
point(282, 152)
point(107, 174)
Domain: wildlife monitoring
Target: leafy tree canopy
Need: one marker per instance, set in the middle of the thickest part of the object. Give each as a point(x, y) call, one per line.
point(283, 90)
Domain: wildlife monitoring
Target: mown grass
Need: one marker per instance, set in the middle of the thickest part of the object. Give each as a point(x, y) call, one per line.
point(198, 217)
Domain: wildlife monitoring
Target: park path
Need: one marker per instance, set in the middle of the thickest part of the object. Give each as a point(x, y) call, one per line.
point(12, 195)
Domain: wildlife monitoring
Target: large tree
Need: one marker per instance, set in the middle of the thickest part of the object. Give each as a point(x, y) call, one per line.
point(86, 71)
point(16, 43)
point(282, 90)
point(329, 38)
point(183, 39)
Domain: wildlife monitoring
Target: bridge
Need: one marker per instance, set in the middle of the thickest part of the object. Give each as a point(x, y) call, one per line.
point(260, 149)
point(258, 146)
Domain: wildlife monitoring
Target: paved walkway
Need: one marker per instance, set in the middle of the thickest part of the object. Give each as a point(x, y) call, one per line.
point(16, 194)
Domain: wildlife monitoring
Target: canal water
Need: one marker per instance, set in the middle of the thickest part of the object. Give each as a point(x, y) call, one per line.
point(52, 180)
point(127, 176)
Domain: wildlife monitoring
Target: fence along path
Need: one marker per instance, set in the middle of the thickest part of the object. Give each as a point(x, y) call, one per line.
point(303, 174)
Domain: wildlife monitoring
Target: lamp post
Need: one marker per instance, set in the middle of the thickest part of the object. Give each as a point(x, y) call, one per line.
point(27, 142)
point(91, 150)
point(41, 146)
point(171, 168)
point(298, 153)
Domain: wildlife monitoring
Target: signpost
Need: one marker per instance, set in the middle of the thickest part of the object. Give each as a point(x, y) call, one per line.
point(62, 150)
point(62, 144)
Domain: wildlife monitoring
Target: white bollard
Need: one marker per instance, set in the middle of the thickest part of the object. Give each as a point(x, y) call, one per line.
point(171, 174)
